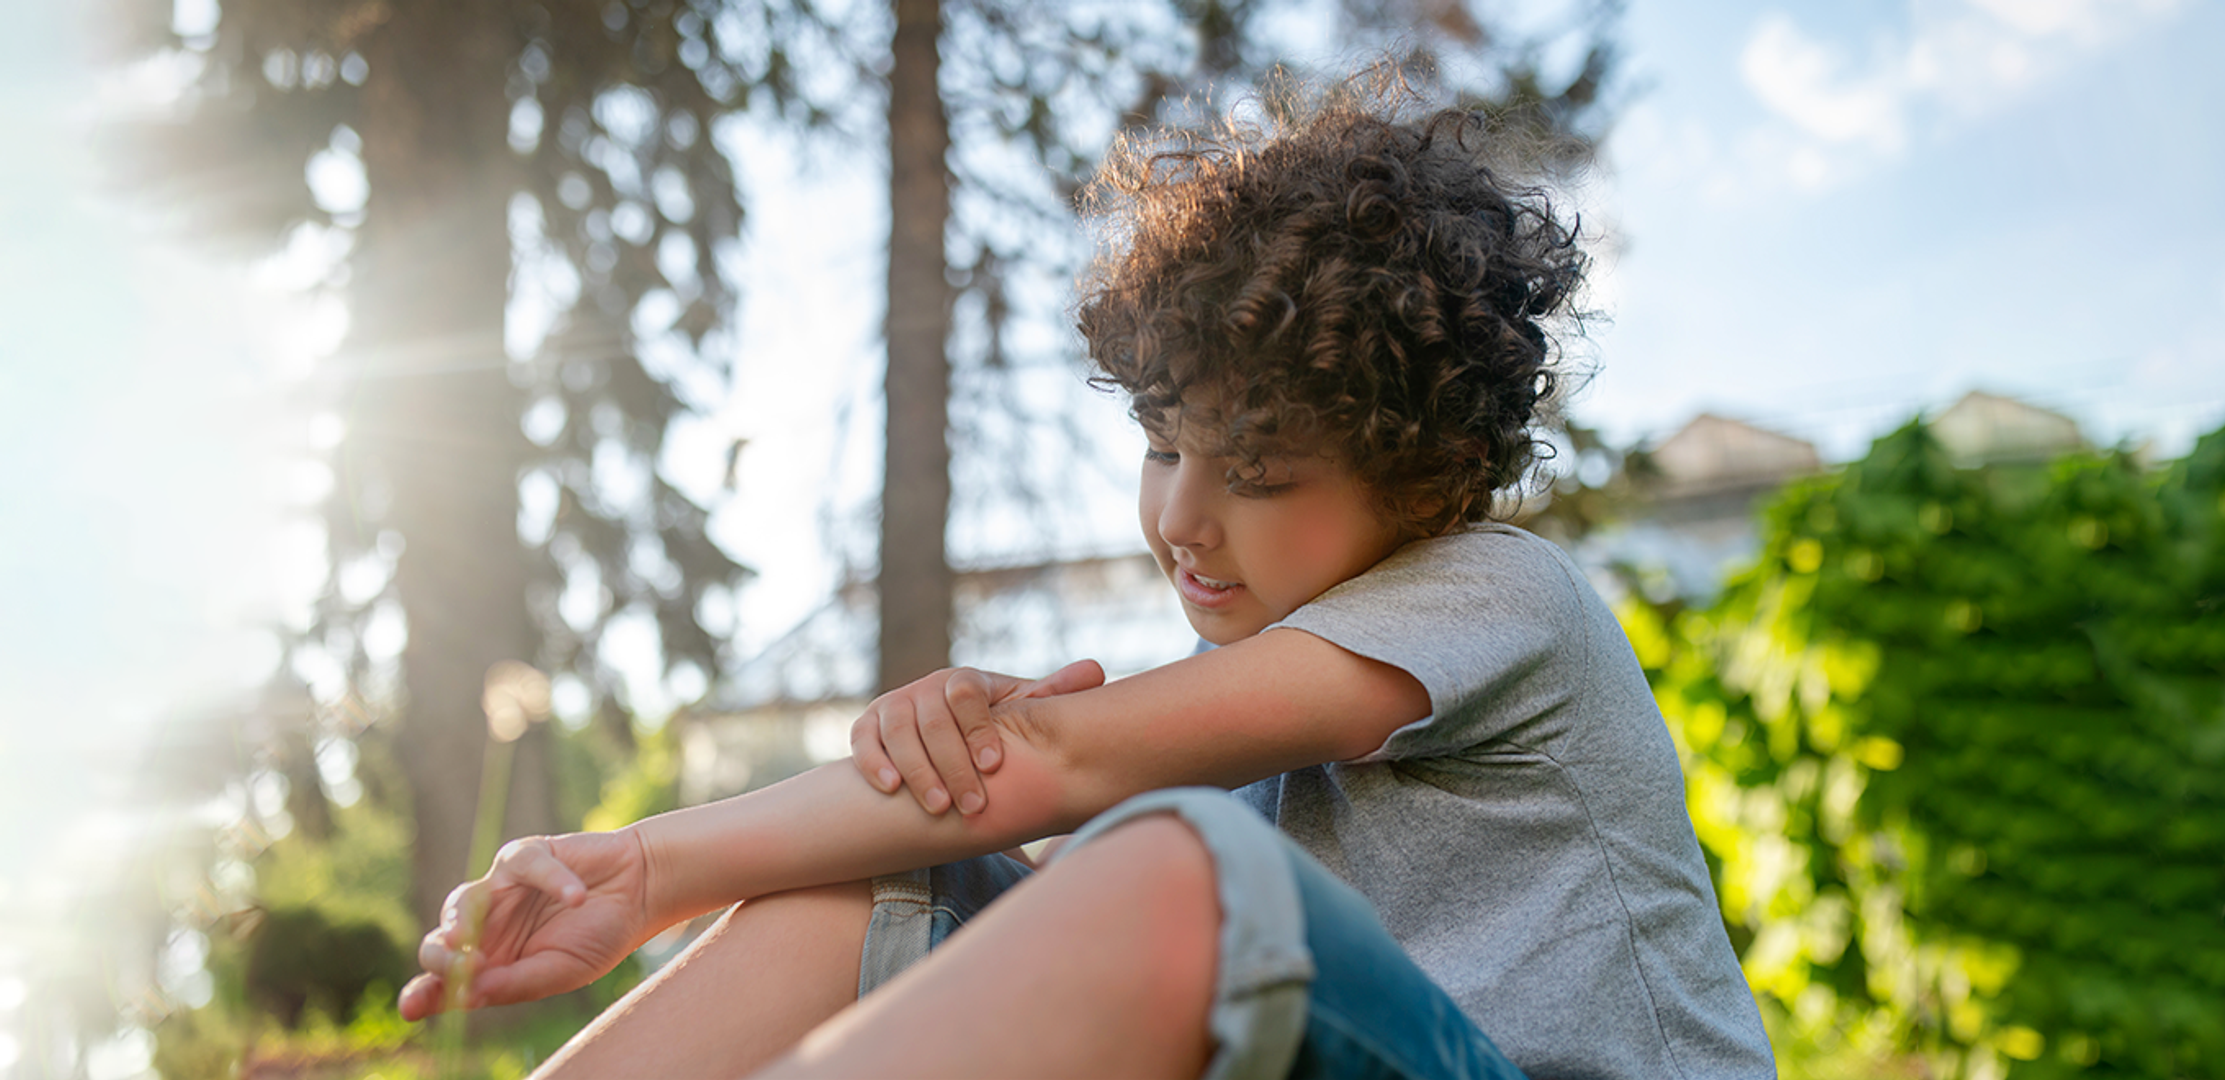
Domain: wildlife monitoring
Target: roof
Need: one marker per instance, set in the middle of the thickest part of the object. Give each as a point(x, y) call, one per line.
point(1983, 428)
point(1715, 453)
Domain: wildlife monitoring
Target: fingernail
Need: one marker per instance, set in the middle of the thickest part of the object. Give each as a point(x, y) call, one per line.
point(969, 803)
point(986, 757)
point(938, 800)
point(889, 779)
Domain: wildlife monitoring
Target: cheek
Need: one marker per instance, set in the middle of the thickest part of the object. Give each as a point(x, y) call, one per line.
point(1321, 553)
point(1333, 547)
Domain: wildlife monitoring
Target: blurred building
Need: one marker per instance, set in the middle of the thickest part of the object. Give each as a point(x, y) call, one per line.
point(1988, 429)
point(1692, 518)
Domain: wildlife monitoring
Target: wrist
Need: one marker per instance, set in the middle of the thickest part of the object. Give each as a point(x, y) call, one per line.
point(660, 870)
point(702, 858)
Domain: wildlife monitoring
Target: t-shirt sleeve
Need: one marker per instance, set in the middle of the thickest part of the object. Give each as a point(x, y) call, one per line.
point(1488, 620)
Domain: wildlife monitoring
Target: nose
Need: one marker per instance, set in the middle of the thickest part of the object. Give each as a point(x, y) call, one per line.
point(1189, 517)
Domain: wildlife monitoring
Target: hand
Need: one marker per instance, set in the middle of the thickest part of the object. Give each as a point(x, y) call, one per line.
point(553, 914)
point(935, 735)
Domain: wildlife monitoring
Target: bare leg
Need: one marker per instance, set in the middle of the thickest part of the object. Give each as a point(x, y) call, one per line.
point(1101, 966)
point(743, 993)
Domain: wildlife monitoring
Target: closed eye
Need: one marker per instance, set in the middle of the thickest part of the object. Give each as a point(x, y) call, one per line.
point(1162, 457)
point(1264, 479)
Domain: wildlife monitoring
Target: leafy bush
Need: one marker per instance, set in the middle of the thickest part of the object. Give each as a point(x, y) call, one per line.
point(1956, 749)
point(303, 980)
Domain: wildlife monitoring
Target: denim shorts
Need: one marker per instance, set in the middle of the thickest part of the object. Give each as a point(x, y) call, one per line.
point(1309, 983)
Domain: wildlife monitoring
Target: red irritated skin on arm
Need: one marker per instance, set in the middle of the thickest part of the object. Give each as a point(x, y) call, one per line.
point(1277, 701)
point(933, 737)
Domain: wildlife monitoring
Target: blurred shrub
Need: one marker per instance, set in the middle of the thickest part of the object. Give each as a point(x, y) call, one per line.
point(1955, 749)
point(297, 958)
point(648, 784)
point(303, 981)
point(314, 966)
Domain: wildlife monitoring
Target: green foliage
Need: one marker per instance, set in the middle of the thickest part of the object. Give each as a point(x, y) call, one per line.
point(306, 983)
point(360, 874)
point(1954, 746)
point(376, 1045)
point(298, 959)
point(648, 784)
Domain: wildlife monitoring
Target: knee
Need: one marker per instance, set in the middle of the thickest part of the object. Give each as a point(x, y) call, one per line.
point(1157, 848)
point(1154, 878)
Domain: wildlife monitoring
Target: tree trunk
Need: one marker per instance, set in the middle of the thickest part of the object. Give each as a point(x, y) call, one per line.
point(915, 577)
point(433, 411)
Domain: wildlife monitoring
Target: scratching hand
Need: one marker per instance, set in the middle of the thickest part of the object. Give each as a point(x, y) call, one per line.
point(936, 738)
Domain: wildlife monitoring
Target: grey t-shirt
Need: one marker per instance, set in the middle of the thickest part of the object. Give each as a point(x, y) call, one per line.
point(1527, 842)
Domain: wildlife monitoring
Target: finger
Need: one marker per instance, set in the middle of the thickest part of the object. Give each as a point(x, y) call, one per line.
point(1079, 675)
point(953, 732)
point(434, 953)
point(987, 740)
point(984, 740)
point(465, 919)
point(900, 737)
point(461, 914)
point(868, 756)
point(421, 997)
point(443, 957)
point(970, 697)
point(532, 862)
point(529, 979)
point(1003, 687)
point(451, 908)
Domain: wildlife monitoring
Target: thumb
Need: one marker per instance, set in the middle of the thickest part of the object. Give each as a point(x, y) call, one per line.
point(1079, 675)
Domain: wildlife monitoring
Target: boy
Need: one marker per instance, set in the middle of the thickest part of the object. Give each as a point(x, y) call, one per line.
point(1334, 339)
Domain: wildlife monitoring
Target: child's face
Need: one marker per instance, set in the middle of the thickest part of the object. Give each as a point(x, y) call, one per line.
point(1242, 559)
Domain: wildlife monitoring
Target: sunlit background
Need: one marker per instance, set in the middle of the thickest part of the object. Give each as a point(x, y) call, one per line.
point(1821, 219)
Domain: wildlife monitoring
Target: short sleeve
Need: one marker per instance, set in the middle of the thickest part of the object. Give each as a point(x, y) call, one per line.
point(1487, 619)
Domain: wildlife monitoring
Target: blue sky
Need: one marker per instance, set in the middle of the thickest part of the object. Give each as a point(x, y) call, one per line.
point(1832, 216)
point(1823, 218)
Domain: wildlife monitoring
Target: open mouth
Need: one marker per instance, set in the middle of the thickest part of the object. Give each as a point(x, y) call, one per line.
point(1205, 591)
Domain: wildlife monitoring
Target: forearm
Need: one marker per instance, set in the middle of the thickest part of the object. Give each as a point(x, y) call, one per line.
point(1272, 703)
point(1279, 701)
point(827, 826)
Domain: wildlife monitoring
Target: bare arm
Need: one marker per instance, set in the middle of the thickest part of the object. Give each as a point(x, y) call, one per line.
point(1279, 701)
point(826, 826)
point(555, 915)
point(1265, 705)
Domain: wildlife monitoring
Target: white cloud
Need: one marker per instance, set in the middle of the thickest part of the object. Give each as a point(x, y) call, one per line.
point(1956, 60)
point(1806, 82)
point(2045, 18)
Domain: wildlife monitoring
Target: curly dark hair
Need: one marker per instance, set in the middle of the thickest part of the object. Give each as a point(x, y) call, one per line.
point(1356, 277)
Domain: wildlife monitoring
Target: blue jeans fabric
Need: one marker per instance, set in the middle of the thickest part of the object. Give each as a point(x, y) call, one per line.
point(1310, 984)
